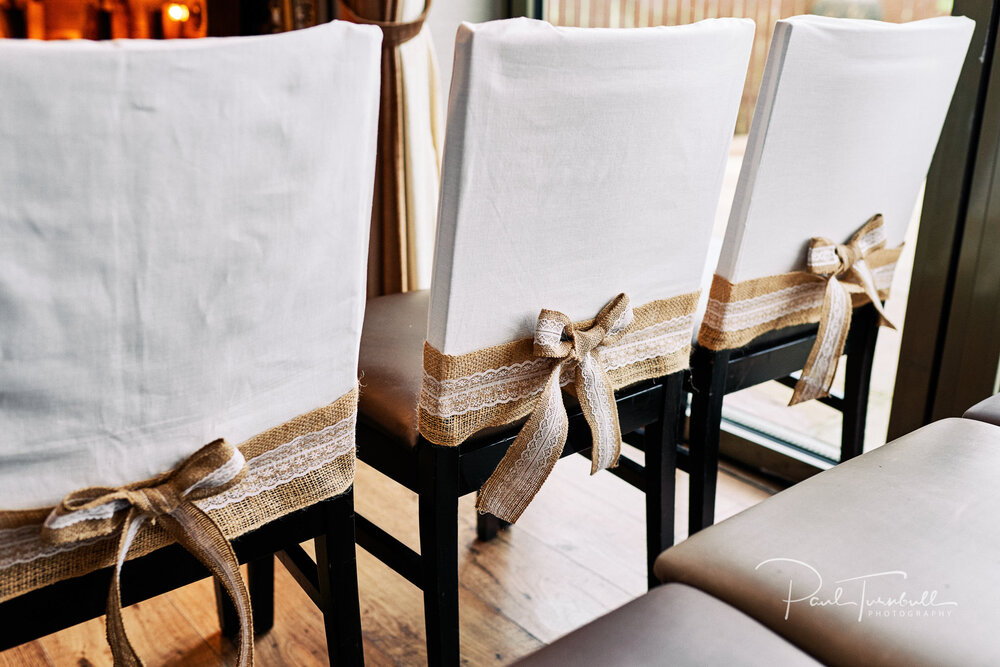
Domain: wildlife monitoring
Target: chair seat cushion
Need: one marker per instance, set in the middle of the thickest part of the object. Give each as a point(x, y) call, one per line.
point(907, 534)
point(672, 624)
point(391, 364)
point(985, 411)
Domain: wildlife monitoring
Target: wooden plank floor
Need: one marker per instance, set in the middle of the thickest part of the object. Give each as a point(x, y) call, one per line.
point(576, 554)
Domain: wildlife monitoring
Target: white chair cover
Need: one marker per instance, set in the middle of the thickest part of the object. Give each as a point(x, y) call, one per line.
point(183, 237)
point(578, 164)
point(846, 124)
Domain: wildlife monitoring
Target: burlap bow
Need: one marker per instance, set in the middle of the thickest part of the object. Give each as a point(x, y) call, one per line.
point(168, 500)
point(538, 446)
point(846, 273)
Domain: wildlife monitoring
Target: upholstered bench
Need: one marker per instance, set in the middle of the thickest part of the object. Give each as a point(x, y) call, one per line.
point(891, 558)
point(985, 411)
point(671, 625)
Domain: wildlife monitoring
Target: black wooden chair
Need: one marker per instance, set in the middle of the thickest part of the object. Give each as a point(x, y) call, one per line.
point(330, 580)
point(557, 191)
point(440, 475)
point(175, 270)
point(835, 141)
point(776, 356)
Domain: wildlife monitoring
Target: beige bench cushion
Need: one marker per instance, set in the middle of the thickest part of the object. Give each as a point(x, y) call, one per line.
point(925, 505)
point(671, 625)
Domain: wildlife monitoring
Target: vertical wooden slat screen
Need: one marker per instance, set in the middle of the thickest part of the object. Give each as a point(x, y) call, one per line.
point(643, 13)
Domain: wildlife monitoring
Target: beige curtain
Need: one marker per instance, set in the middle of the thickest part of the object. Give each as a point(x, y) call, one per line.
point(409, 146)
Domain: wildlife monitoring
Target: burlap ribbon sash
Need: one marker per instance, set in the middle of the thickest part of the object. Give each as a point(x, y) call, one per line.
point(844, 268)
point(528, 462)
point(168, 501)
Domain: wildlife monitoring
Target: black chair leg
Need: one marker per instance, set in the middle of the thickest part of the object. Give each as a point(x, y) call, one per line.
point(709, 387)
point(229, 623)
point(261, 575)
point(337, 569)
point(857, 382)
point(260, 579)
point(660, 446)
point(438, 492)
point(488, 526)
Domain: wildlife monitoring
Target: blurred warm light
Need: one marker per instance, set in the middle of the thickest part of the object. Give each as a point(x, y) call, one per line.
point(178, 12)
point(103, 19)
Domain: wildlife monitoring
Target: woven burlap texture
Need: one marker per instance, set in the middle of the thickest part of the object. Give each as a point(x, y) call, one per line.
point(728, 296)
point(331, 479)
point(455, 429)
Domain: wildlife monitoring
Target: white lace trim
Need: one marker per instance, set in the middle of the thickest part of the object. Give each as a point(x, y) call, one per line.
point(103, 511)
point(288, 462)
point(658, 340)
point(220, 475)
point(883, 276)
point(823, 256)
point(753, 312)
point(28, 547)
point(597, 398)
point(539, 449)
point(548, 333)
point(281, 465)
point(622, 321)
point(873, 238)
point(840, 304)
point(496, 386)
point(549, 428)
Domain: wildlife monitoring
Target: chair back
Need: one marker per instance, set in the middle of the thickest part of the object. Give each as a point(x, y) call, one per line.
point(184, 232)
point(845, 126)
point(579, 164)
